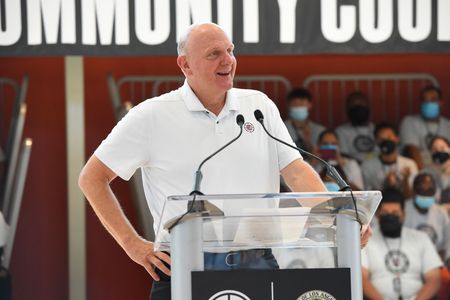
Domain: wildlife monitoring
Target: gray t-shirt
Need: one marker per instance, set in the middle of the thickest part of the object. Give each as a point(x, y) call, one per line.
point(296, 134)
point(412, 256)
point(414, 130)
point(435, 223)
point(357, 141)
point(375, 172)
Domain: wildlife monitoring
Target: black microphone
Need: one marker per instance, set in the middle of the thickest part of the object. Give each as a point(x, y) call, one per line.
point(331, 171)
point(198, 174)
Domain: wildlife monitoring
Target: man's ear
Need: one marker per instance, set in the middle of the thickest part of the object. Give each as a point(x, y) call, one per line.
point(184, 65)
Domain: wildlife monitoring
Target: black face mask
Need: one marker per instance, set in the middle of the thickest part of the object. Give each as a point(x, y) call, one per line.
point(358, 114)
point(387, 146)
point(440, 157)
point(390, 225)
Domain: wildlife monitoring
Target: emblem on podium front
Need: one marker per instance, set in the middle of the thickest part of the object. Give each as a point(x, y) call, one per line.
point(229, 295)
point(316, 295)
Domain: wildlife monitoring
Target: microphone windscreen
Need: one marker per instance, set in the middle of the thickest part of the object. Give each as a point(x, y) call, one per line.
point(258, 115)
point(240, 120)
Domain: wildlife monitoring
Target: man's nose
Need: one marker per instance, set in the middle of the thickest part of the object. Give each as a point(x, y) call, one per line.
point(228, 59)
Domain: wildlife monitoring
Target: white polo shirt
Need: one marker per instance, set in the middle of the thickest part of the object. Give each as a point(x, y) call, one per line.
point(169, 136)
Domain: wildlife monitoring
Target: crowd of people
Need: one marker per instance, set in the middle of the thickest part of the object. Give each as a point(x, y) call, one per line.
point(409, 254)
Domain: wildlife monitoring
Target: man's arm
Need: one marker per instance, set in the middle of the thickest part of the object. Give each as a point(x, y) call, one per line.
point(301, 177)
point(369, 290)
point(432, 282)
point(94, 181)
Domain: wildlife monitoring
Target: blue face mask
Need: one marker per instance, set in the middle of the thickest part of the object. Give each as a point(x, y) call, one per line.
point(332, 186)
point(328, 147)
point(430, 109)
point(299, 113)
point(424, 202)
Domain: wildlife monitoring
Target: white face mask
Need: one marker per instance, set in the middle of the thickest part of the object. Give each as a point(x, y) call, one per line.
point(299, 113)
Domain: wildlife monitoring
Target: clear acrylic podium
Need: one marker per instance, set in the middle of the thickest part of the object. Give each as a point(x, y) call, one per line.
point(291, 224)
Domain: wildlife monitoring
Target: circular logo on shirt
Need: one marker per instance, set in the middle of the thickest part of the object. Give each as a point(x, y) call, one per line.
point(229, 295)
point(249, 127)
point(396, 261)
point(430, 231)
point(364, 143)
point(316, 295)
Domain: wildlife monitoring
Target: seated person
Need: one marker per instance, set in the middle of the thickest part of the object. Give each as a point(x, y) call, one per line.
point(440, 166)
point(389, 169)
point(423, 213)
point(328, 149)
point(416, 131)
point(302, 129)
point(399, 262)
point(356, 136)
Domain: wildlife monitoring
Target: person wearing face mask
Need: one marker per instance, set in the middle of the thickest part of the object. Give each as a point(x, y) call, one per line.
point(302, 129)
point(440, 168)
point(328, 149)
point(389, 168)
point(356, 135)
point(423, 213)
point(417, 131)
point(399, 262)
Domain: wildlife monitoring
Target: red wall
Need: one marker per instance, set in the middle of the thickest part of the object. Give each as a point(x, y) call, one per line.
point(39, 264)
point(39, 261)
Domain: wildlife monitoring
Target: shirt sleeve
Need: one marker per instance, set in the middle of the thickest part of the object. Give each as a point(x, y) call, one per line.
point(430, 259)
point(276, 126)
point(126, 147)
point(408, 136)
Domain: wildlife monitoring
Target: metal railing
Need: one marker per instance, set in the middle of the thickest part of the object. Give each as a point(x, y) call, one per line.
point(17, 154)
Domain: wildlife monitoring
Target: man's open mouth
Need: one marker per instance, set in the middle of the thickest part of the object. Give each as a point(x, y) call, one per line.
point(223, 74)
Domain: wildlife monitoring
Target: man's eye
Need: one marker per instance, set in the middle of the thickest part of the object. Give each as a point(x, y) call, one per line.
point(212, 54)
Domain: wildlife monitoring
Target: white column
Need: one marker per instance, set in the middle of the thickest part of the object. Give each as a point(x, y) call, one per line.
point(74, 80)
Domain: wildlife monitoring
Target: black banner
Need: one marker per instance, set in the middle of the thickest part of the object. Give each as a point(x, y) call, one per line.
point(292, 284)
point(152, 27)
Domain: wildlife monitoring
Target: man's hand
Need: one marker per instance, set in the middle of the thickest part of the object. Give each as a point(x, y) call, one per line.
point(142, 252)
point(366, 233)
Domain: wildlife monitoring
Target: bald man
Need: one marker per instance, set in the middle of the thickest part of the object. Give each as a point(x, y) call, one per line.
point(202, 112)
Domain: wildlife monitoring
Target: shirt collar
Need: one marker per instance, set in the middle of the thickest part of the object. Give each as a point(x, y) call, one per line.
point(194, 104)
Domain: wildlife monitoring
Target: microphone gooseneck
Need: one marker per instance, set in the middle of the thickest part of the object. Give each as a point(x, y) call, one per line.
point(198, 174)
point(331, 171)
point(198, 206)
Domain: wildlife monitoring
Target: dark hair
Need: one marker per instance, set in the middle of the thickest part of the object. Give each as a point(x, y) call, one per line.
point(435, 138)
point(327, 131)
point(430, 88)
point(420, 177)
point(393, 195)
point(299, 93)
point(384, 125)
point(356, 95)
